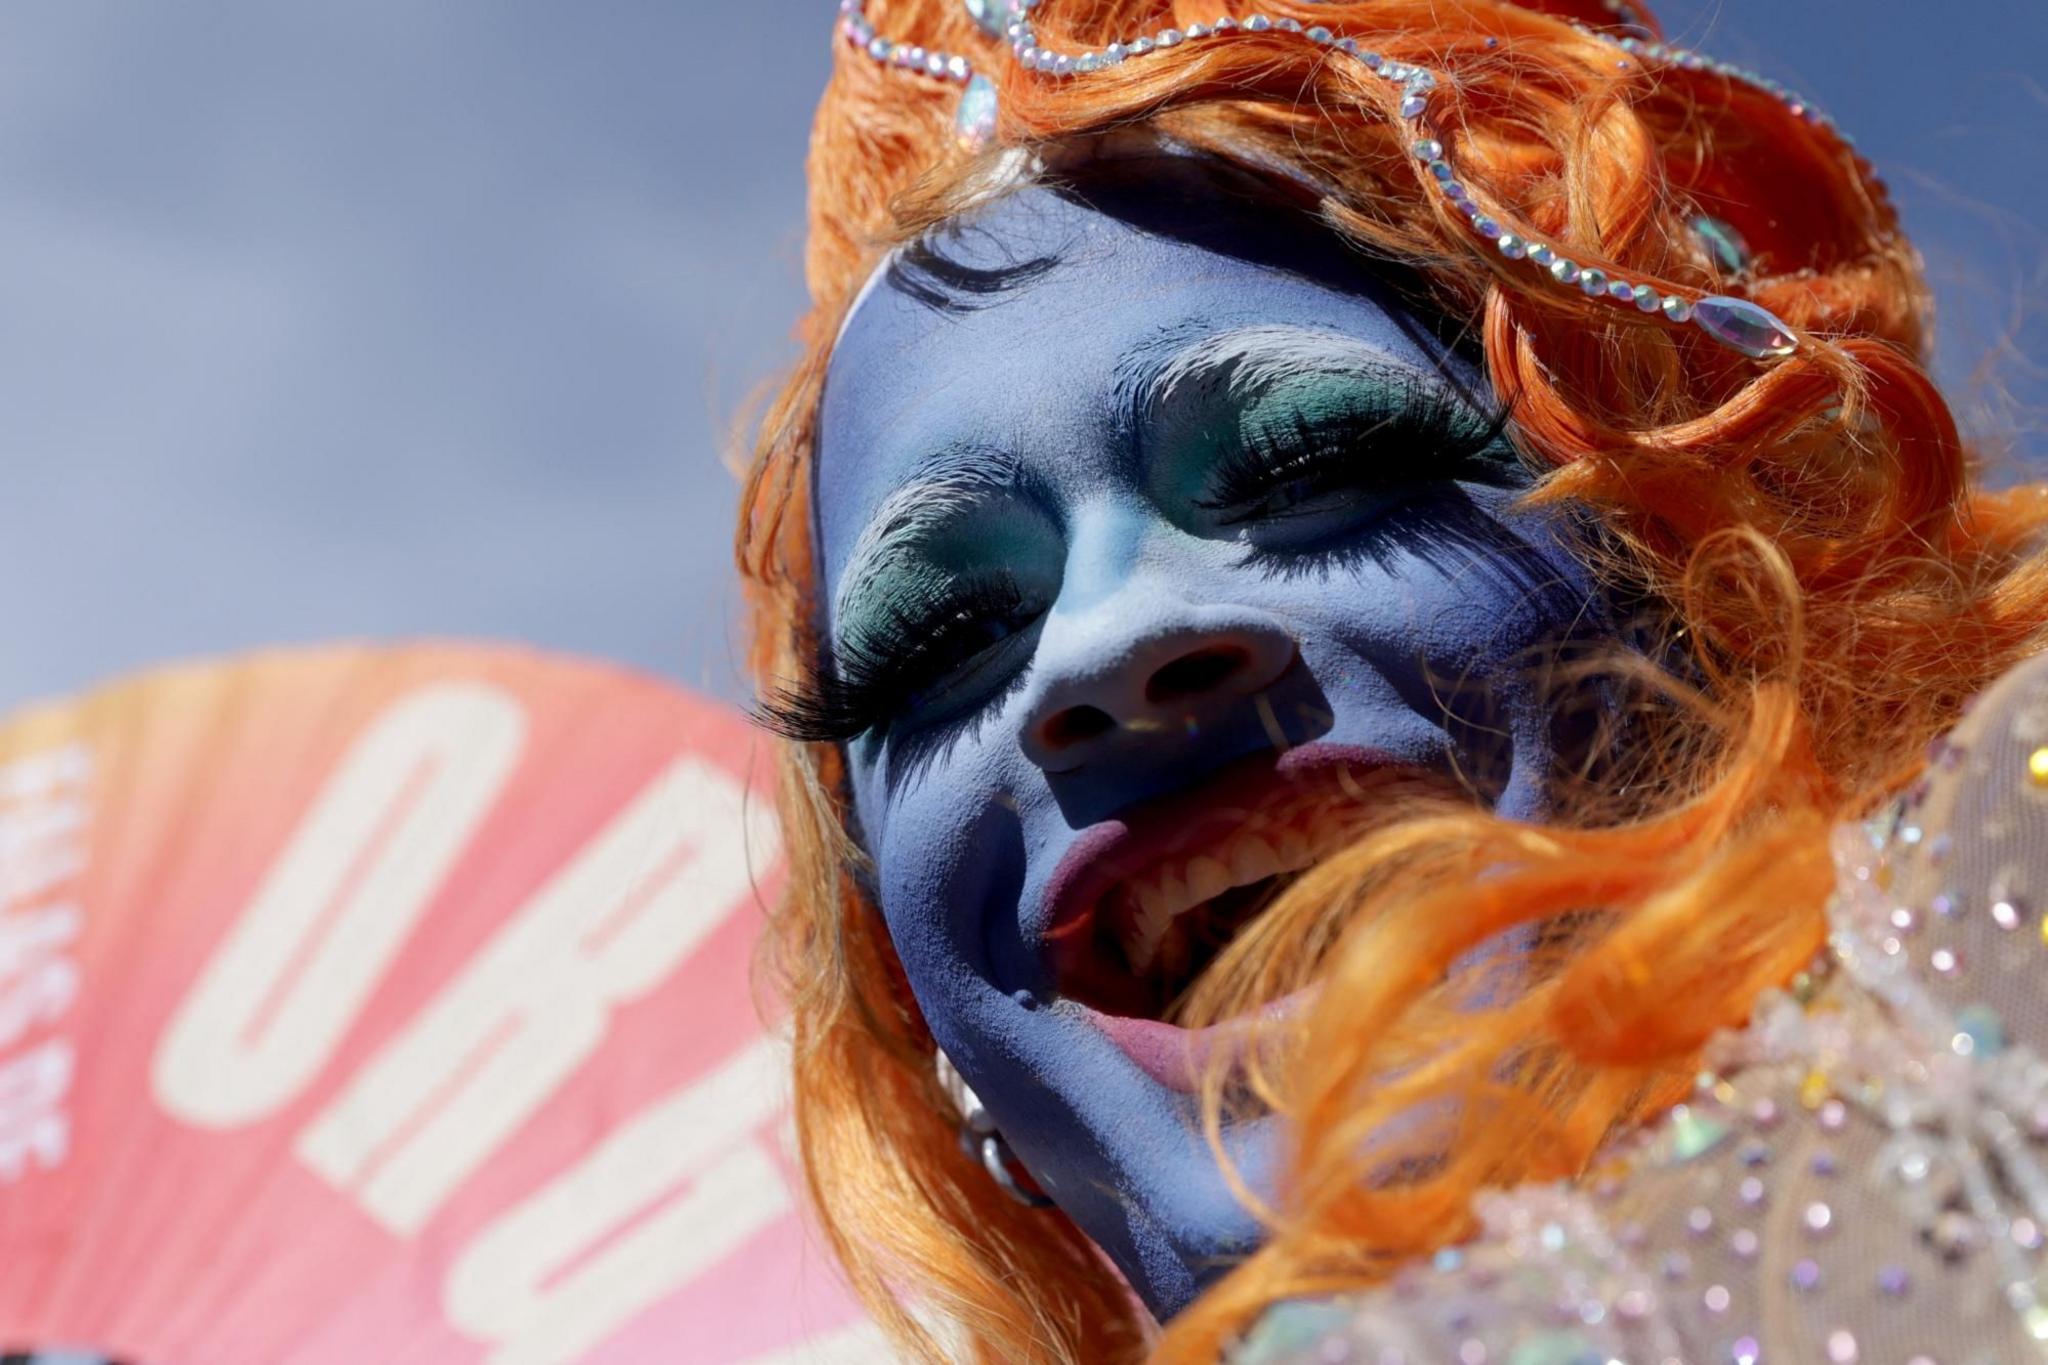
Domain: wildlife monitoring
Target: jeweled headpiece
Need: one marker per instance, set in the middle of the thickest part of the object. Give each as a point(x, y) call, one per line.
point(1737, 323)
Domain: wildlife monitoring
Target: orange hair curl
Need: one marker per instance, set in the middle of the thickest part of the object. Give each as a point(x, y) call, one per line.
point(1806, 534)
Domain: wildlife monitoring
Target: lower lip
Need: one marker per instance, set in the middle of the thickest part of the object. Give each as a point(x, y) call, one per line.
point(1177, 1057)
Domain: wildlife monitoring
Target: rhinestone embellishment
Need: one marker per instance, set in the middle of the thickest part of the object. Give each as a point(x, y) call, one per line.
point(1736, 323)
point(974, 119)
point(1744, 326)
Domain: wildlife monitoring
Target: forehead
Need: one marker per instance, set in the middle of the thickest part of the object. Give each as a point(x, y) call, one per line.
point(1021, 330)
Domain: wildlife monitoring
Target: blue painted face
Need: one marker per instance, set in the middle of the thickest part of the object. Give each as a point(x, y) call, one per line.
point(1155, 555)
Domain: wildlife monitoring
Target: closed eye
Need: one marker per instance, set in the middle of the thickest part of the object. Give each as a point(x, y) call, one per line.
point(1297, 457)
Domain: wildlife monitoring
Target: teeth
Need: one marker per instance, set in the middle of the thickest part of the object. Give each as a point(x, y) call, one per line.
point(1154, 905)
point(1154, 918)
point(1206, 878)
point(1251, 860)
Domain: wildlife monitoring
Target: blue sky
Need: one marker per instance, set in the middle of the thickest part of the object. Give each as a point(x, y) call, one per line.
point(387, 319)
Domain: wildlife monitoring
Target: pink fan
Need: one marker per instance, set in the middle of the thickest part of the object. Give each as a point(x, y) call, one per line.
point(392, 1005)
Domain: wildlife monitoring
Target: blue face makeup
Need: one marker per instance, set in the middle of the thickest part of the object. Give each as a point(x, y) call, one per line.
point(1147, 556)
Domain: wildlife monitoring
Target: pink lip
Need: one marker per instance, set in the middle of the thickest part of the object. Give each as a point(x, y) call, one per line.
point(1176, 1057)
point(1140, 838)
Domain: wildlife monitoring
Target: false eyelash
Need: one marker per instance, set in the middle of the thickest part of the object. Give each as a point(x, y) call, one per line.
point(1428, 418)
point(876, 672)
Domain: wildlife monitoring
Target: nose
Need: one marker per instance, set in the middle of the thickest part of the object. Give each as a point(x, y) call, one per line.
point(1133, 670)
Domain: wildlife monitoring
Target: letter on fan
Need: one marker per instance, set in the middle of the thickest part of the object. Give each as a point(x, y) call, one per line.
point(337, 905)
point(445, 1093)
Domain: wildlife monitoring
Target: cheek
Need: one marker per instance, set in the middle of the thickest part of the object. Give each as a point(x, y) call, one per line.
point(1477, 605)
point(1494, 584)
point(946, 851)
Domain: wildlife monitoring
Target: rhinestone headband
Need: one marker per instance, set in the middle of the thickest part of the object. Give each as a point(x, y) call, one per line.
point(1734, 322)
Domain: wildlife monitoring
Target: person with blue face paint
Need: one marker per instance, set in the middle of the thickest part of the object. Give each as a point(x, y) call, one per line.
point(1141, 611)
point(1273, 650)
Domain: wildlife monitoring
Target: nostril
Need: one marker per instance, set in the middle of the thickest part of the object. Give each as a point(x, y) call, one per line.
point(1196, 673)
point(1075, 724)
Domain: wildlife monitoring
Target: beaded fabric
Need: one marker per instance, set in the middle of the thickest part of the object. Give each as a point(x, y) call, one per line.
point(1861, 1174)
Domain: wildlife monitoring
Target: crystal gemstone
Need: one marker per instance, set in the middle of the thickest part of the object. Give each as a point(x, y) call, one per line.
point(974, 121)
point(1743, 326)
point(1723, 243)
point(990, 14)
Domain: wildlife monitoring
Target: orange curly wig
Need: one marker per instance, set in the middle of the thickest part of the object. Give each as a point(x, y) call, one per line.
point(1807, 536)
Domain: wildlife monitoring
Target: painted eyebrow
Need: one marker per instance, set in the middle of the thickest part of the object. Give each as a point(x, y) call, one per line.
point(1233, 365)
point(943, 485)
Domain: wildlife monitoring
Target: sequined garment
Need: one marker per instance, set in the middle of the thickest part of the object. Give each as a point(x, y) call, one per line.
point(1861, 1174)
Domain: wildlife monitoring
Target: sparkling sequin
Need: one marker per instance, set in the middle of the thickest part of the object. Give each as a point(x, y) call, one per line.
point(1981, 1029)
point(1555, 1348)
point(1694, 1134)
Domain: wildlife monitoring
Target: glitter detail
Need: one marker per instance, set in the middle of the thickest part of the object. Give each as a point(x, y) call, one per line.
point(1738, 323)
